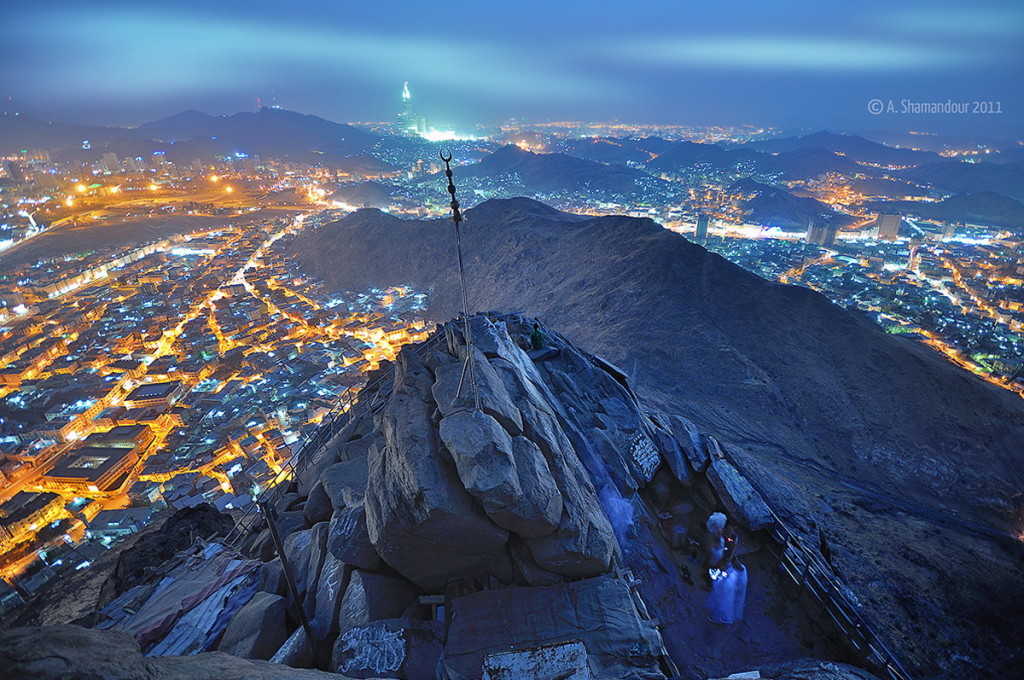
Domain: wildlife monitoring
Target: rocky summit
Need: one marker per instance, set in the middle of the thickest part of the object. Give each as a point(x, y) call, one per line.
point(905, 467)
point(485, 510)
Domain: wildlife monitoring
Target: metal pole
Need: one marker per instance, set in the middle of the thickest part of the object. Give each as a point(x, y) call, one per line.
point(286, 566)
point(457, 218)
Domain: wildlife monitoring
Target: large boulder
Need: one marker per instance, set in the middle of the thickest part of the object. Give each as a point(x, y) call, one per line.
point(345, 482)
point(419, 516)
point(348, 539)
point(331, 584)
point(507, 475)
point(495, 400)
point(72, 653)
point(318, 507)
point(740, 499)
point(370, 597)
point(258, 629)
point(317, 556)
point(600, 612)
point(272, 577)
point(399, 648)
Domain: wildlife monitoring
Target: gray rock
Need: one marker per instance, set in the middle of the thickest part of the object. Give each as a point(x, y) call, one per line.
point(312, 469)
point(330, 585)
point(673, 455)
point(296, 651)
point(262, 547)
point(599, 612)
point(290, 522)
point(345, 482)
point(272, 577)
point(713, 447)
point(221, 666)
point(737, 495)
point(348, 538)
point(70, 652)
point(419, 517)
point(318, 506)
point(370, 597)
point(74, 653)
point(494, 397)
point(258, 629)
point(509, 478)
point(359, 447)
point(297, 548)
point(400, 648)
point(317, 556)
point(584, 543)
point(688, 437)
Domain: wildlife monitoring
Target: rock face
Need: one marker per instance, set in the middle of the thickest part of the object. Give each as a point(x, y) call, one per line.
point(862, 434)
point(462, 488)
point(430, 534)
point(66, 652)
point(448, 524)
point(258, 629)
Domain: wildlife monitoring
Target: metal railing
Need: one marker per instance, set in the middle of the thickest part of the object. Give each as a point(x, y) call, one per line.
point(814, 577)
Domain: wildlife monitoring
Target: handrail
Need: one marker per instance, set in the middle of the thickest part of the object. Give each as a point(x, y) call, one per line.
point(814, 576)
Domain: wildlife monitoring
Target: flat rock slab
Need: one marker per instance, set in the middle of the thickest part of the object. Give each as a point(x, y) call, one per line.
point(741, 500)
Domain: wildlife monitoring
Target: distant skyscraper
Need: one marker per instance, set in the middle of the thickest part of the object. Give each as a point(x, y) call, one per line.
point(888, 226)
point(820, 232)
point(13, 170)
point(407, 123)
point(702, 227)
point(111, 162)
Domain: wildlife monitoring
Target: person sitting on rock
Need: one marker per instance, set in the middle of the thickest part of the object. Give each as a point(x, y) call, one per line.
point(537, 337)
point(728, 577)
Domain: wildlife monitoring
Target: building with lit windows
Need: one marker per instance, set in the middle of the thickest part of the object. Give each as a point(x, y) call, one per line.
point(90, 469)
point(154, 395)
point(25, 513)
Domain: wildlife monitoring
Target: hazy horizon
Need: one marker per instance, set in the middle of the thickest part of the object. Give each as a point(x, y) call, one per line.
point(795, 66)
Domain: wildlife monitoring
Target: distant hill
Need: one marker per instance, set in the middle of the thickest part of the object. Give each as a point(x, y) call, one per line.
point(890, 188)
point(775, 207)
point(1002, 178)
point(608, 150)
point(366, 194)
point(985, 208)
point(852, 146)
point(179, 127)
point(795, 164)
point(682, 155)
point(552, 173)
point(22, 131)
point(269, 132)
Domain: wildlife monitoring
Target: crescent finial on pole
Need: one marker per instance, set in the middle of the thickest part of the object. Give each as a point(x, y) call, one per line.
point(470, 362)
point(456, 214)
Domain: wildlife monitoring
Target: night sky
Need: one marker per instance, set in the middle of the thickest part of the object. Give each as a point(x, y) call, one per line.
point(791, 64)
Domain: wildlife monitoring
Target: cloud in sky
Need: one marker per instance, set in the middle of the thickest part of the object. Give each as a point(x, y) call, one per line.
point(746, 60)
point(796, 53)
point(146, 53)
